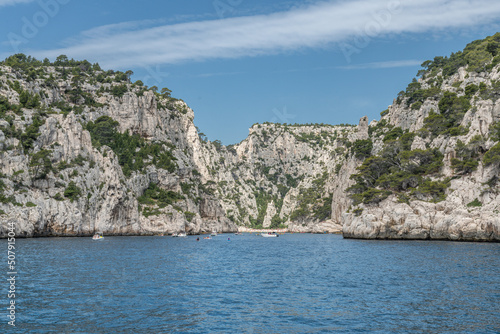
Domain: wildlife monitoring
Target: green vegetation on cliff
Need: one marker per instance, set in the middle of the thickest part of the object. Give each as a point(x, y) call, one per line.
point(478, 56)
point(415, 174)
point(155, 197)
point(312, 201)
point(133, 152)
point(402, 172)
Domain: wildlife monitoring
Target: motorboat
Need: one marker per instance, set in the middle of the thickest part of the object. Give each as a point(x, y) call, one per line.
point(213, 234)
point(269, 235)
point(98, 236)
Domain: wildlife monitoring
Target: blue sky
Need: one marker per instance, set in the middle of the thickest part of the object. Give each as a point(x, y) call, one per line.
point(239, 62)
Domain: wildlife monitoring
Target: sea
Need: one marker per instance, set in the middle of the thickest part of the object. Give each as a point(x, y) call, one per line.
point(295, 283)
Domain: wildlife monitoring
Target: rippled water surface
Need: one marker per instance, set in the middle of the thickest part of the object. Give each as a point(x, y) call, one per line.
point(249, 284)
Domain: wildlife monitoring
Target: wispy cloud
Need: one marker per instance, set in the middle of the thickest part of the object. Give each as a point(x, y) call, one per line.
point(382, 64)
point(318, 25)
point(118, 28)
point(108, 30)
point(218, 74)
point(13, 2)
point(364, 66)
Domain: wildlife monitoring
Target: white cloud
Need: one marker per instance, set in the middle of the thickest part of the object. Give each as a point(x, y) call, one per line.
point(316, 26)
point(112, 29)
point(13, 2)
point(382, 64)
point(218, 74)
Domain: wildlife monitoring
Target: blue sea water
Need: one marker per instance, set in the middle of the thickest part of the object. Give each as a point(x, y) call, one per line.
point(297, 283)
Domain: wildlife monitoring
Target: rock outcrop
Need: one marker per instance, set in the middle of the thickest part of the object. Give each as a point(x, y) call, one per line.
point(469, 208)
point(59, 179)
point(83, 151)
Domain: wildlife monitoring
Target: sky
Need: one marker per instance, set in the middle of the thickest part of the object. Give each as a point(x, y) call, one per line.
point(240, 62)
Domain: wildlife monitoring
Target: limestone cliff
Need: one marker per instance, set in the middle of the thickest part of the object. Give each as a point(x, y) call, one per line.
point(453, 109)
point(84, 150)
point(56, 179)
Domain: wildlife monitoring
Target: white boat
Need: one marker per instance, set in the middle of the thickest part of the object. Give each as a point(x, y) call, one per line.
point(98, 236)
point(213, 234)
point(269, 235)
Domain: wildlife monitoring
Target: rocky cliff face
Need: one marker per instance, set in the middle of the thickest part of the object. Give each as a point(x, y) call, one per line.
point(84, 150)
point(55, 181)
point(466, 136)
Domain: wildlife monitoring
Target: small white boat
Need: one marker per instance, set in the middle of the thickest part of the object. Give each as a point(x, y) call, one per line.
point(182, 234)
point(175, 235)
point(98, 236)
point(213, 234)
point(269, 235)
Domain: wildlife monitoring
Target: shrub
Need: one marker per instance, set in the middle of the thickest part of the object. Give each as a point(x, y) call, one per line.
point(457, 131)
point(453, 106)
point(393, 134)
point(277, 222)
point(72, 191)
point(407, 140)
point(357, 212)
point(362, 148)
point(40, 164)
point(464, 166)
point(435, 190)
point(337, 168)
point(58, 197)
point(79, 160)
point(146, 212)
point(416, 105)
point(156, 195)
point(31, 133)
point(492, 157)
point(371, 196)
point(119, 90)
point(436, 123)
point(189, 215)
point(446, 122)
point(470, 90)
point(475, 203)
point(63, 165)
point(102, 131)
point(399, 181)
point(495, 131)
point(416, 95)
